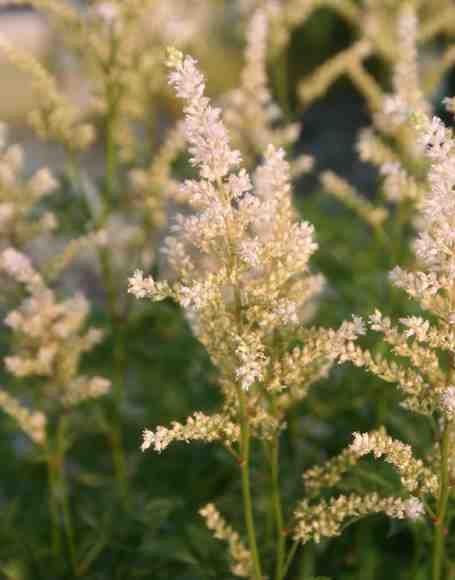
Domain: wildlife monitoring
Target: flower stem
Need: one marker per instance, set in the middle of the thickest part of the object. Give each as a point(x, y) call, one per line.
point(246, 491)
point(116, 436)
point(277, 510)
point(290, 558)
point(66, 514)
point(58, 496)
point(440, 524)
point(53, 508)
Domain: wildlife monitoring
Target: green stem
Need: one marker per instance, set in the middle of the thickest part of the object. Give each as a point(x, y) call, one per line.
point(277, 510)
point(307, 564)
point(116, 435)
point(66, 514)
point(53, 508)
point(118, 458)
point(440, 524)
point(246, 488)
point(290, 558)
point(58, 495)
point(67, 524)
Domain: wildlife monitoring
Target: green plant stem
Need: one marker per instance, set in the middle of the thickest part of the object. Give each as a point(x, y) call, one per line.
point(116, 435)
point(290, 558)
point(53, 508)
point(307, 564)
point(66, 514)
point(245, 444)
point(440, 524)
point(58, 495)
point(277, 509)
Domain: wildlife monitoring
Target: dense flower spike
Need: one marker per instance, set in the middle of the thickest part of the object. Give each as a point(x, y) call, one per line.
point(32, 424)
point(240, 556)
point(236, 260)
point(330, 473)
point(421, 360)
point(253, 118)
point(251, 292)
point(204, 131)
point(415, 477)
point(21, 218)
point(391, 143)
point(55, 117)
point(326, 518)
point(258, 283)
point(199, 427)
point(49, 337)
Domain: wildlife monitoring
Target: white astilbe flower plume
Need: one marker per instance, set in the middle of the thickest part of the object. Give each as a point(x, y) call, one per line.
point(50, 337)
point(240, 556)
point(252, 290)
point(250, 113)
point(420, 360)
point(203, 128)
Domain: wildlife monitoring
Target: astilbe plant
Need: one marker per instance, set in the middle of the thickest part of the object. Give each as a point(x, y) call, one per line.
point(247, 306)
point(22, 217)
point(421, 363)
point(239, 268)
point(409, 47)
point(390, 145)
point(48, 340)
point(114, 116)
point(391, 213)
point(250, 112)
point(373, 23)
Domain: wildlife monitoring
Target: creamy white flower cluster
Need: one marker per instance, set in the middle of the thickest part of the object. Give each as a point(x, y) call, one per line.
point(252, 283)
point(250, 113)
point(55, 116)
point(20, 217)
point(414, 475)
point(420, 360)
point(240, 556)
point(408, 97)
point(49, 338)
point(198, 427)
point(32, 423)
point(326, 518)
point(203, 128)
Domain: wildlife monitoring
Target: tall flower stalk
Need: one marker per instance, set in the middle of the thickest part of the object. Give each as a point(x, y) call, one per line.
point(49, 341)
point(242, 261)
